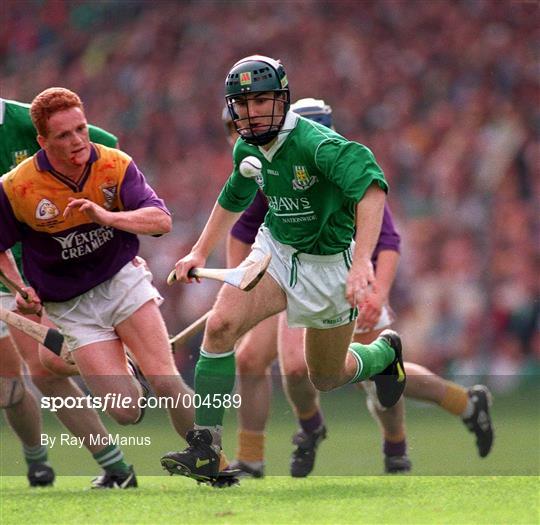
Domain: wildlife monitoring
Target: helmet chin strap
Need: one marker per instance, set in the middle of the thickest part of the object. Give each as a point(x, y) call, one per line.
point(261, 139)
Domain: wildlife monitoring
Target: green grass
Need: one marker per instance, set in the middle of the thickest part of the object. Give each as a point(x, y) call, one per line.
point(278, 499)
point(451, 483)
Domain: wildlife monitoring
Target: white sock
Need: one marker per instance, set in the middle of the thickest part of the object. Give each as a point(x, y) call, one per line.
point(469, 409)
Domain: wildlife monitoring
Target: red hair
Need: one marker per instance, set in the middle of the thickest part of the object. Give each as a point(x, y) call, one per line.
point(49, 102)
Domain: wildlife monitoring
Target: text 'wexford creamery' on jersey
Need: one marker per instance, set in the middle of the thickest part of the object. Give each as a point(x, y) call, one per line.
point(64, 257)
point(313, 179)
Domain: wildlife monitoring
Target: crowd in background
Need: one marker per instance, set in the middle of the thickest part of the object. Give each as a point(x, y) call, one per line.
point(446, 94)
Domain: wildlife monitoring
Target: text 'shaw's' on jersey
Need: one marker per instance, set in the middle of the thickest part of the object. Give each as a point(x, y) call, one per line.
point(313, 179)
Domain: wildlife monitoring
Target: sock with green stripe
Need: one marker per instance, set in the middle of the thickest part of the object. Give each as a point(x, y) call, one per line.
point(37, 454)
point(111, 459)
point(371, 359)
point(214, 379)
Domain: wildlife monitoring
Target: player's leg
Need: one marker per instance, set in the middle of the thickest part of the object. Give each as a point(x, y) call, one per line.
point(303, 398)
point(472, 405)
point(331, 357)
point(22, 412)
point(96, 325)
point(56, 364)
point(333, 361)
point(104, 368)
point(145, 334)
point(234, 313)
point(255, 353)
point(84, 422)
point(391, 420)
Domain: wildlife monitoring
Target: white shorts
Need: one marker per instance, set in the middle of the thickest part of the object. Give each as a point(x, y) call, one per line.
point(7, 301)
point(386, 318)
point(92, 316)
point(314, 284)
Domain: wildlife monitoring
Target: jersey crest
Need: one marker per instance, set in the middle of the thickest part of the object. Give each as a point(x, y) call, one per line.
point(302, 180)
point(18, 156)
point(109, 194)
point(46, 210)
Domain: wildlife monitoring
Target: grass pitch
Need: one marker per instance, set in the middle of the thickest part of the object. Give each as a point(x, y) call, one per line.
point(279, 500)
point(451, 484)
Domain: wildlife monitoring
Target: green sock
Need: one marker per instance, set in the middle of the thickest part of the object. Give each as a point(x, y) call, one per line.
point(214, 379)
point(111, 458)
point(37, 454)
point(371, 359)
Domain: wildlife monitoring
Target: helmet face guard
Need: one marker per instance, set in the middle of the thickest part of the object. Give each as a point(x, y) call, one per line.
point(258, 98)
point(256, 127)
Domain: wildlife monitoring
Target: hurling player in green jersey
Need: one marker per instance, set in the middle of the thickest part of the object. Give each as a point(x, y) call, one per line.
point(326, 197)
point(18, 142)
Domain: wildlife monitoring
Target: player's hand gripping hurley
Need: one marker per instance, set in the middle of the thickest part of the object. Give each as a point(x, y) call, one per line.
point(242, 277)
point(14, 288)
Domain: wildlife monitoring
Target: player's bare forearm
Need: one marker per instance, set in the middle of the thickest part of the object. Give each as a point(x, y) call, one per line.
point(369, 216)
point(217, 226)
point(8, 266)
point(144, 221)
point(30, 304)
point(387, 262)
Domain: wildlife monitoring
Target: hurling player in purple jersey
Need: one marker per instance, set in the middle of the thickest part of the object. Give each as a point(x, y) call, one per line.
point(22, 355)
point(259, 348)
point(77, 208)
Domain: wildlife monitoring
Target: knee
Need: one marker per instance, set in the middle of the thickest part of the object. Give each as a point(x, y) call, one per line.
point(219, 327)
point(323, 383)
point(248, 363)
point(125, 416)
point(296, 375)
point(12, 391)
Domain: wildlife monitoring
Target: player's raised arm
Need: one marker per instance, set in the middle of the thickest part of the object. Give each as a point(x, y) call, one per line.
point(216, 228)
point(144, 221)
point(139, 210)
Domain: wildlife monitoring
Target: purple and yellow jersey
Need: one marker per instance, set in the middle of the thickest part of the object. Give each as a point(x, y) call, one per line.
point(18, 142)
point(246, 227)
point(65, 257)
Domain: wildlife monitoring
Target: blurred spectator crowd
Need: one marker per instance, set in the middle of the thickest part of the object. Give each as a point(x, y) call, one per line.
point(446, 94)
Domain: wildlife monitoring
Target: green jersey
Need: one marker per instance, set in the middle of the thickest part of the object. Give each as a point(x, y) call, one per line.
point(18, 142)
point(313, 179)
